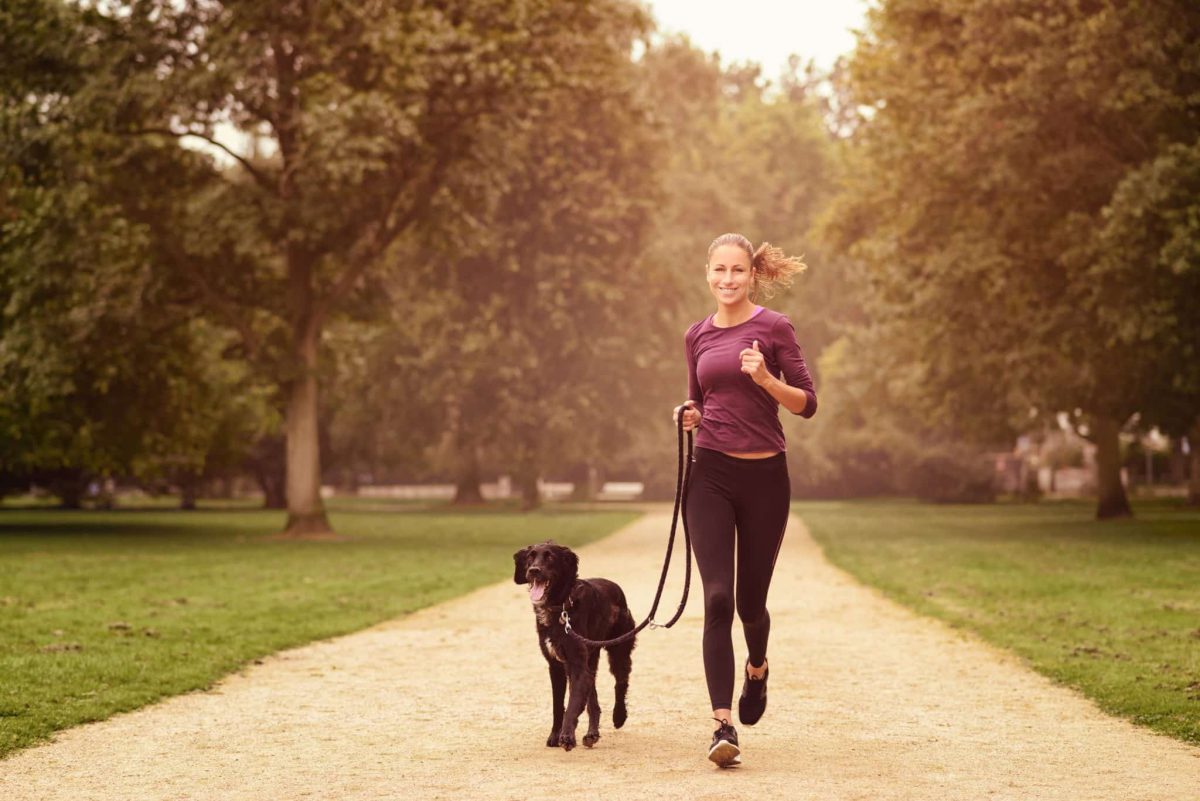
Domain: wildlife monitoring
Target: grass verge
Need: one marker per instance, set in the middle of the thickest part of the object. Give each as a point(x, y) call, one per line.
point(104, 612)
point(1111, 608)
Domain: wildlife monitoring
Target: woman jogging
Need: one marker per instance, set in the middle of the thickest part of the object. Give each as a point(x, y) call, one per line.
point(743, 363)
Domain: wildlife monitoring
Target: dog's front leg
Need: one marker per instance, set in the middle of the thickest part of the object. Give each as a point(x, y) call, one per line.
point(593, 703)
point(582, 682)
point(593, 708)
point(558, 692)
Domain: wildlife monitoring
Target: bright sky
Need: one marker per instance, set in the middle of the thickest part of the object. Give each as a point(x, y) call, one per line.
point(765, 31)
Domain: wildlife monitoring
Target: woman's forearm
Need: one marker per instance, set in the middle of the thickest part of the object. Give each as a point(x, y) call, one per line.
point(794, 399)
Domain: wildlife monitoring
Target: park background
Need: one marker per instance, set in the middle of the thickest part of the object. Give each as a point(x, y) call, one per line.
point(301, 255)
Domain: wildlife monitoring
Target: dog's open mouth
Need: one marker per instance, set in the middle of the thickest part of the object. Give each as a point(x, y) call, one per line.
point(536, 590)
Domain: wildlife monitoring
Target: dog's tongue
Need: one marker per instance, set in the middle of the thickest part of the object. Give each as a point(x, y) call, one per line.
point(536, 590)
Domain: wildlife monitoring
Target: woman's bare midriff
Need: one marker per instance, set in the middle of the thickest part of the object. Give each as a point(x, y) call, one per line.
point(752, 455)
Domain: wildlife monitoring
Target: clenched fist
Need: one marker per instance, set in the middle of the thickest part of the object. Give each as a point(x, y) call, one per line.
point(754, 365)
point(691, 416)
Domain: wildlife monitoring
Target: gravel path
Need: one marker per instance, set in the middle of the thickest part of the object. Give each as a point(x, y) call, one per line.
point(868, 701)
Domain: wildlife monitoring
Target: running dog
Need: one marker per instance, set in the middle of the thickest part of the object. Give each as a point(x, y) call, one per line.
point(597, 611)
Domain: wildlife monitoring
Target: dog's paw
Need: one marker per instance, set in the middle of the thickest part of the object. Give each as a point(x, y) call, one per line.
point(552, 740)
point(567, 741)
point(590, 738)
point(619, 716)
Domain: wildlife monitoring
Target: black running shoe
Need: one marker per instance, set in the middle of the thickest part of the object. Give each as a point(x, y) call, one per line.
point(753, 701)
point(724, 750)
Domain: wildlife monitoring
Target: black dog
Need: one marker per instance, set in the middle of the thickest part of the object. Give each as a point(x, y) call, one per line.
point(598, 611)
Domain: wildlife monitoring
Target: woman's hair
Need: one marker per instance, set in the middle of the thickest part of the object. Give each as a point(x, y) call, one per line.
point(771, 267)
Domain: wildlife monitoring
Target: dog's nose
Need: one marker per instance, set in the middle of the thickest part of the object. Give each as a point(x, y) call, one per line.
point(533, 572)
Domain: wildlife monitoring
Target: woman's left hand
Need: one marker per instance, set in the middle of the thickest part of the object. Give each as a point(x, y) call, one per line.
point(754, 365)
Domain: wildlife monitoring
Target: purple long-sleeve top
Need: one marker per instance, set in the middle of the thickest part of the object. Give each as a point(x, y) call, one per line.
point(739, 416)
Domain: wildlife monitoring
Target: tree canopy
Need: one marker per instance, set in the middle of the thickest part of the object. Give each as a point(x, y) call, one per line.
point(997, 141)
point(464, 237)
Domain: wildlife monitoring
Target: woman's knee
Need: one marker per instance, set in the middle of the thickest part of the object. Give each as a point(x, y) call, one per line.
point(718, 606)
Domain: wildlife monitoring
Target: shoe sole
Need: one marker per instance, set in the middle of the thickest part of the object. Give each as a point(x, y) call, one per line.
point(725, 754)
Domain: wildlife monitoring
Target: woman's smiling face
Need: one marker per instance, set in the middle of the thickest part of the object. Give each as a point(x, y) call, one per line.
point(729, 275)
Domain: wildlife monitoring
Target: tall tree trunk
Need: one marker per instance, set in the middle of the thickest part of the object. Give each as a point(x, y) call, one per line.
point(588, 487)
point(306, 511)
point(269, 466)
point(1112, 501)
point(271, 482)
point(187, 490)
point(70, 497)
point(1194, 447)
point(466, 479)
point(465, 455)
point(70, 486)
point(527, 485)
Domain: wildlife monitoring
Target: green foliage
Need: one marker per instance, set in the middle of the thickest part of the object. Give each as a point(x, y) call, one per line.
point(870, 431)
point(564, 283)
point(368, 123)
point(104, 367)
point(999, 139)
point(528, 307)
point(1146, 276)
point(1109, 609)
point(570, 295)
point(107, 612)
point(951, 475)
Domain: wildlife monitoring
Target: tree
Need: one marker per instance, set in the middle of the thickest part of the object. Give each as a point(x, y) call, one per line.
point(362, 110)
point(998, 135)
point(98, 377)
point(101, 374)
point(1145, 278)
point(542, 291)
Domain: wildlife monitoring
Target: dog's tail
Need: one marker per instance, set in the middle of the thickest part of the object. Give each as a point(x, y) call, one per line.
point(620, 662)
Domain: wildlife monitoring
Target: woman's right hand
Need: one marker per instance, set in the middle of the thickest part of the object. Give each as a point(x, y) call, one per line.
point(691, 415)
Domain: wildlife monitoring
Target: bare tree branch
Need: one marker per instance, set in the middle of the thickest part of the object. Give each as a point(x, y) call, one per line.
point(260, 177)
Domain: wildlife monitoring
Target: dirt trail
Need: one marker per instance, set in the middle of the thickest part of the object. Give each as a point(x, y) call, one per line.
point(868, 701)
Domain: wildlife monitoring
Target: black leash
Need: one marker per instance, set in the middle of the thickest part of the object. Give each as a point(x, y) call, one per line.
point(682, 476)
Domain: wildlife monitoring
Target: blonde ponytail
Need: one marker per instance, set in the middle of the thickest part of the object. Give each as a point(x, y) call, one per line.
point(773, 269)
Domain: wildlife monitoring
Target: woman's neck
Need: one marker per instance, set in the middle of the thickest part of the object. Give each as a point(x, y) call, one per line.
point(726, 316)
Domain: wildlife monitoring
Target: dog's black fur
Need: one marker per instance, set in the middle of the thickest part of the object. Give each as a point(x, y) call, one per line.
point(598, 611)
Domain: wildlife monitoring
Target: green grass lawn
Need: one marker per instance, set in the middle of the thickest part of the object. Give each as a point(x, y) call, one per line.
point(1110, 608)
point(102, 612)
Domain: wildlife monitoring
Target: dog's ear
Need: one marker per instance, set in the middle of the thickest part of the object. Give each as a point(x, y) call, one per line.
point(520, 558)
point(572, 562)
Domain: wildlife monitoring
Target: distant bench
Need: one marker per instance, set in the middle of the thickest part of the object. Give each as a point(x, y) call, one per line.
point(621, 491)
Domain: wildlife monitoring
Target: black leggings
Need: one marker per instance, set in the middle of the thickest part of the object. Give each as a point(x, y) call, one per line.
point(751, 495)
